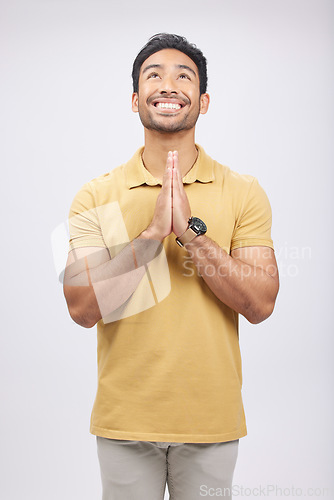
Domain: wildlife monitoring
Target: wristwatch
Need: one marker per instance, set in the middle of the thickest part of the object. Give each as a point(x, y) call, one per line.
point(195, 227)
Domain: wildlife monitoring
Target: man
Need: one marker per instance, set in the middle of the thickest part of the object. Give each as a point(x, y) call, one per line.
point(168, 404)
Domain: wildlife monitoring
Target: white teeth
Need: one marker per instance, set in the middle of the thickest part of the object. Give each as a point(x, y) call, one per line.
point(168, 105)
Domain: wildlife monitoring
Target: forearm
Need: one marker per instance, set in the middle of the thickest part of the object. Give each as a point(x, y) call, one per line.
point(247, 289)
point(88, 304)
point(93, 290)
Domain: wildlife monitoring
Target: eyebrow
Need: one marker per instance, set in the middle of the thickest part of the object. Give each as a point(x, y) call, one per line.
point(179, 66)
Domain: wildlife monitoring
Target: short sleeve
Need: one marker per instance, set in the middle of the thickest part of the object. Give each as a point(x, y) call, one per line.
point(84, 226)
point(253, 227)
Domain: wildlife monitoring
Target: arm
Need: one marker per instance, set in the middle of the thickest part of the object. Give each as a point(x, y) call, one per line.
point(247, 281)
point(95, 285)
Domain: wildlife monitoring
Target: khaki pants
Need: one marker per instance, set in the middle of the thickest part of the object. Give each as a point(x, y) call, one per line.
point(139, 470)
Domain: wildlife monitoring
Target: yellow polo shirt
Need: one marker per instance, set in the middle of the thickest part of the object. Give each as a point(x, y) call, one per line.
point(169, 365)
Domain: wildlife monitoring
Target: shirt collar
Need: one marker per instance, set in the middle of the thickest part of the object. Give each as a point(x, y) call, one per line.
point(137, 174)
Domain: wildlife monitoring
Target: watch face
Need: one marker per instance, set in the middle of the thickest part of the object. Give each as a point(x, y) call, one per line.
point(198, 225)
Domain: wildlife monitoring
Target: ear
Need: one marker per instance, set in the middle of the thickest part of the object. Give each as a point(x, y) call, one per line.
point(135, 102)
point(204, 103)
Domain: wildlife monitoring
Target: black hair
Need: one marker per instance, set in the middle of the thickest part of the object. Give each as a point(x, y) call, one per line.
point(169, 41)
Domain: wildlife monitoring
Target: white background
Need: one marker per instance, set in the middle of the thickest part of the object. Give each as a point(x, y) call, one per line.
point(65, 119)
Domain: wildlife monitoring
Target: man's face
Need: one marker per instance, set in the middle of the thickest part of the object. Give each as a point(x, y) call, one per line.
point(168, 98)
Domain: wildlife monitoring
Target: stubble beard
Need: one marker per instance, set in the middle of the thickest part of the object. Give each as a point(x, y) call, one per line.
point(150, 123)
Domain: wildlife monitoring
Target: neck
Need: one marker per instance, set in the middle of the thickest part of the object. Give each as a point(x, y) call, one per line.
point(157, 146)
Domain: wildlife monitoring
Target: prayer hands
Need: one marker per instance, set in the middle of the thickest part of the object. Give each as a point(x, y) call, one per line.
point(172, 209)
point(180, 204)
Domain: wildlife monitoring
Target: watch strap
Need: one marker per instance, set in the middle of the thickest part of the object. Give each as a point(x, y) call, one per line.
point(186, 237)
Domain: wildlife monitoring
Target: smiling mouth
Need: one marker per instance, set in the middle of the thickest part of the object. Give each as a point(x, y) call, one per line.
point(168, 105)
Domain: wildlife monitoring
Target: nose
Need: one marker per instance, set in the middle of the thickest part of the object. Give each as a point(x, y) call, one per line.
point(168, 86)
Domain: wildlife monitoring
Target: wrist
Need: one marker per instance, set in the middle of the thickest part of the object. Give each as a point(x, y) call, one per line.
point(151, 233)
point(196, 228)
point(181, 229)
point(196, 242)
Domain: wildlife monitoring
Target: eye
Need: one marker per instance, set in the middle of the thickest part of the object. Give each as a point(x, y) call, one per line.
point(184, 75)
point(153, 75)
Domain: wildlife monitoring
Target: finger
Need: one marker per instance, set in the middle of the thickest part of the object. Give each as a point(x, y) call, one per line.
point(169, 164)
point(169, 159)
point(167, 177)
point(176, 160)
point(177, 167)
point(177, 173)
point(176, 186)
